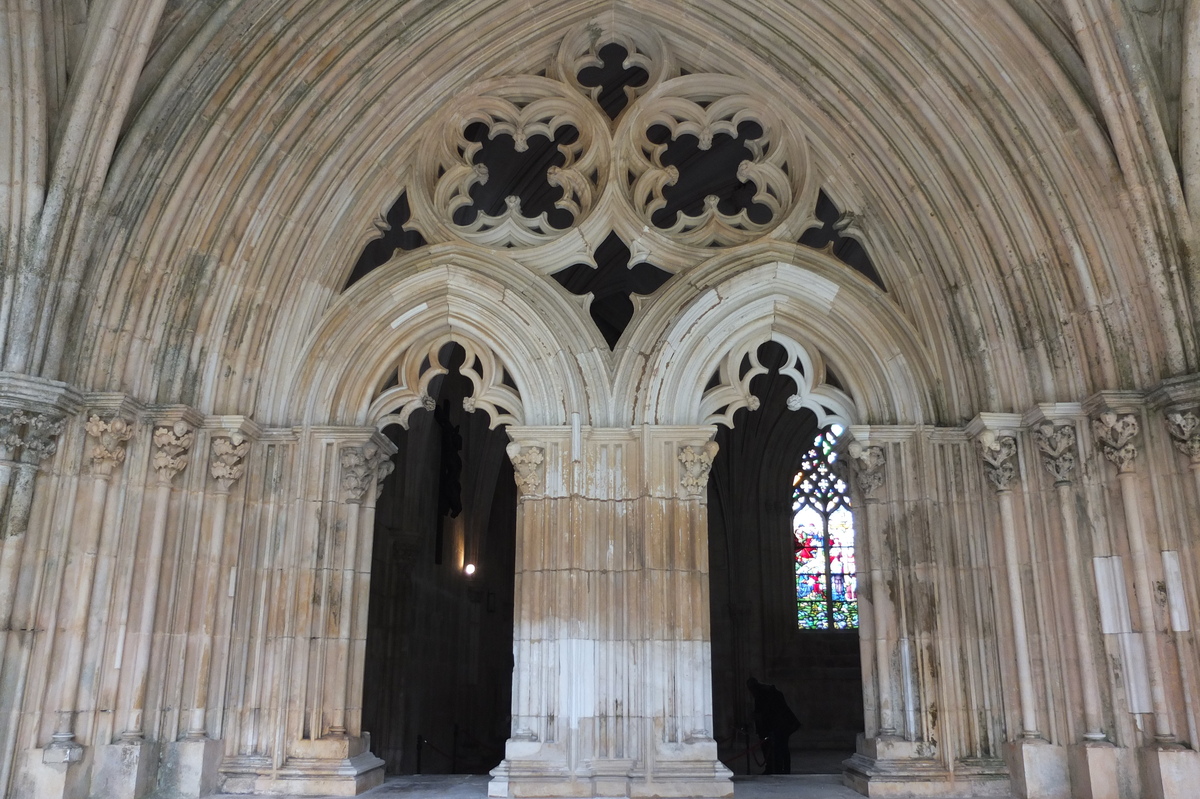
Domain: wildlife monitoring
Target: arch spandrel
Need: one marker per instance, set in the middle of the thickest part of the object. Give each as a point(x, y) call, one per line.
point(879, 358)
point(421, 301)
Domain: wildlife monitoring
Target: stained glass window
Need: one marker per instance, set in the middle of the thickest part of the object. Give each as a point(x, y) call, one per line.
point(823, 527)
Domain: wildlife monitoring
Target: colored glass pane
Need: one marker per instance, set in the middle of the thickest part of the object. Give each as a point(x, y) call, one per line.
point(823, 528)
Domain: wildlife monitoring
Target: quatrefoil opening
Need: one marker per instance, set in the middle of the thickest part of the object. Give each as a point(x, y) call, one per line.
point(614, 80)
point(612, 284)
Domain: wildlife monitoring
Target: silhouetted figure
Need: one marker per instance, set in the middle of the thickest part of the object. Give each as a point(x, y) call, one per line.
point(774, 723)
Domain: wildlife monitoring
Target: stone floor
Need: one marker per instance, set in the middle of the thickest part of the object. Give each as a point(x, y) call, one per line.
point(445, 786)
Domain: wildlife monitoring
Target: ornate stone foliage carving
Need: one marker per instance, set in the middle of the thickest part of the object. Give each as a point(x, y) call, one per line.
point(1184, 428)
point(527, 466)
point(493, 390)
point(171, 450)
point(1057, 443)
point(226, 466)
point(696, 463)
point(867, 463)
point(1115, 434)
point(108, 451)
point(741, 365)
point(998, 452)
point(361, 466)
point(30, 436)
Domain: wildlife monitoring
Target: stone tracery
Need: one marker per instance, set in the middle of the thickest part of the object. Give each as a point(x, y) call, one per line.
point(409, 383)
point(541, 248)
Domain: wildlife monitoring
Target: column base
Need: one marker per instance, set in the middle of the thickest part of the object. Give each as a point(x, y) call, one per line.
point(892, 767)
point(1038, 769)
point(1093, 769)
point(342, 766)
point(189, 768)
point(1169, 772)
point(125, 770)
point(549, 778)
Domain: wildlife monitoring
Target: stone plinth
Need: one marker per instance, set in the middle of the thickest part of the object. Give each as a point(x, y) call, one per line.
point(1093, 769)
point(1038, 769)
point(1169, 773)
point(189, 768)
point(125, 770)
point(893, 767)
point(335, 766)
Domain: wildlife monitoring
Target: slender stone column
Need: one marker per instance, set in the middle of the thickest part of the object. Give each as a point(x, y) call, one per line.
point(383, 466)
point(360, 466)
point(25, 441)
point(998, 452)
point(1184, 428)
point(868, 463)
point(170, 458)
point(1057, 443)
point(612, 678)
point(107, 453)
point(1116, 434)
point(226, 468)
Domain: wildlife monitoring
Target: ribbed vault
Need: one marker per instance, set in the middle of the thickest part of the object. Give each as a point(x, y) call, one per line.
point(249, 180)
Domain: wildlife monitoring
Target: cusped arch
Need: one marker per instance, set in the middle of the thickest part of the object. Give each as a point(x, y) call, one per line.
point(819, 317)
point(375, 350)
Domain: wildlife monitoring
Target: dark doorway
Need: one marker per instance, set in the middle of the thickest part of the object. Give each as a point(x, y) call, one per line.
point(752, 557)
point(438, 682)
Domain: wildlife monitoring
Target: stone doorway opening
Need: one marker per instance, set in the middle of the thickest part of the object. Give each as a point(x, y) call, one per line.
point(438, 678)
point(758, 628)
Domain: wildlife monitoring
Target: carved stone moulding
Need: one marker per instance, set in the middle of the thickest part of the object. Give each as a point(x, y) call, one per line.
point(409, 383)
point(528, 468)
point(730, 386)
point(695, 465)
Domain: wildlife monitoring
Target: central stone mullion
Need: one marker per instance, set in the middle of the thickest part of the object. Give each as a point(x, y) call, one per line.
point(612, 668)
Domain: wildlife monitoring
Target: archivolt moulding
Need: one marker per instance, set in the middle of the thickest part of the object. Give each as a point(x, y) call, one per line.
point(806, 370)
point(731, 305)
point(493, 389)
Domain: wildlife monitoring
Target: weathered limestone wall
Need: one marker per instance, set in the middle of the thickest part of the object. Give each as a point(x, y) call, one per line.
point(611, 688)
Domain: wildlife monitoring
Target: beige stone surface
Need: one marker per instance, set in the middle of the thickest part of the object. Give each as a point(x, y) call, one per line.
point(192, 400)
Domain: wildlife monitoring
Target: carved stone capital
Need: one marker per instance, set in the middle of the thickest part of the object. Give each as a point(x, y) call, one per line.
point(696, 463)
point(1184, 428)
point(362, 466)
point(1057, 443)
point(30, 436)
point(527, 466)
point(386, 467)
point(226, 465)
point(1115, 433)
point(109, 450)
point(867, 464)
point(999, 453)
point(171, 450)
